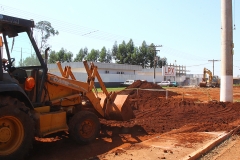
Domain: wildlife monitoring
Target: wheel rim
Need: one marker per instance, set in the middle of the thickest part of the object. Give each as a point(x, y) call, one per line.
point(87, 128)
point(11, 134)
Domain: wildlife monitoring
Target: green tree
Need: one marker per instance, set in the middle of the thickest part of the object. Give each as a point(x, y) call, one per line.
point(46, 31)
point(68, 56)
point(162, 62)
point(64, 56)
point(114, 50)
point(31, 61)
point(93, 55)
point(135, 57)
point(81, 55)
point(130, 51)
point(108, 57)
point(121, 56)
point(143, 55)
point(53, 57)
point(151, 55)
point(85, 51)
point(103, 55)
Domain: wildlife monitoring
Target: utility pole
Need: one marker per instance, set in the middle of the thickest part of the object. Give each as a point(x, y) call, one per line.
point(226, 89)
point(155, 58)
point(21, 57)
point(213, 64)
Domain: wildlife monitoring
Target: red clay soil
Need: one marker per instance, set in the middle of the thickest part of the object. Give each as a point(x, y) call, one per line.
point(156, 114)
point(185, 111)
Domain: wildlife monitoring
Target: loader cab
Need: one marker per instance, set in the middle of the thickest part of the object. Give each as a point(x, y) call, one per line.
point(23, 70)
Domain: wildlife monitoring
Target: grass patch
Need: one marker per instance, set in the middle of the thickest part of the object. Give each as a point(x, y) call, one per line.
point(116, 89)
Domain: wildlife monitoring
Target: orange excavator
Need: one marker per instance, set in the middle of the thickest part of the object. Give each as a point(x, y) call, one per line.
point(211, 81)
point(34, 102)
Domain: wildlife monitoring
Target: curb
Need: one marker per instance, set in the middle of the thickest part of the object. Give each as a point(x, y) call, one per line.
point(208, 147)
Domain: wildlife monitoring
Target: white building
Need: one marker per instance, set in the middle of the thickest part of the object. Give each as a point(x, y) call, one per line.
point(113, 74)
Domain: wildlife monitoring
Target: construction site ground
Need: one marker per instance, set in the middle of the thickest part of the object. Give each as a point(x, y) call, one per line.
point(171, 123)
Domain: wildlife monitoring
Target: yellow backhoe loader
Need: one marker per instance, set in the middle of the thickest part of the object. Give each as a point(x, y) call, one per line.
point(211, 81)
point(34, 102)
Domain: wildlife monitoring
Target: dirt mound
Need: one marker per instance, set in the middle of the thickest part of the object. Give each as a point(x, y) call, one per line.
point(161, 116)
point(198, 117)
point(146, 90)
point(157, 113)
point(187, 112)
point(144, 85)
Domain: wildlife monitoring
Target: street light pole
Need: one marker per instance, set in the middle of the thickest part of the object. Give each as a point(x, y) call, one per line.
point(154, 75)
point(213, 64)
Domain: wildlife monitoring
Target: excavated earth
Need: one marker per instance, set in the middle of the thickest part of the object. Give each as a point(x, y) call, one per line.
point(172, 111)
point(157, 114)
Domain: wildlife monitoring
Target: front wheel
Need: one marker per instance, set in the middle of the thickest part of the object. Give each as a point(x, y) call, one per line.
point(84, 127)
point(16, 129)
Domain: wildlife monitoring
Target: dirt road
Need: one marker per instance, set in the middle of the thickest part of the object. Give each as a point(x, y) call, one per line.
point(186, 111)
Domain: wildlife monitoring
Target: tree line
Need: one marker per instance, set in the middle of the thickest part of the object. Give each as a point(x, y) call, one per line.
point(124, 53)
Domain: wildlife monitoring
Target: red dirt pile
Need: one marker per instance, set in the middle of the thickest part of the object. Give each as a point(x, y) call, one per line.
point(144, 85)
point(156, 114)
point(145, 89)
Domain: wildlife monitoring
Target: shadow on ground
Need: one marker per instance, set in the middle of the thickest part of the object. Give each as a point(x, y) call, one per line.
point(60, 147)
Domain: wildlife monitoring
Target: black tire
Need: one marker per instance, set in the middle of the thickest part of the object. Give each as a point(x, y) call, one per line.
point(84, 127)
point(16, 129)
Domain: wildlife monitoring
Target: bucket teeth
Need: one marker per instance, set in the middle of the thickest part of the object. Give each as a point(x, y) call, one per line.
point(118, 108)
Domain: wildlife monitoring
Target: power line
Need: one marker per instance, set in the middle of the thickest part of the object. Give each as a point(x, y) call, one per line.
point(182, 55)
point(71, 28)
point(93, 33)
point(198, 65)
point(213, 63)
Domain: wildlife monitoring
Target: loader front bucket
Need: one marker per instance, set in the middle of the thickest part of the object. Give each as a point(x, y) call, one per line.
point(118, 108)
point(203, 84)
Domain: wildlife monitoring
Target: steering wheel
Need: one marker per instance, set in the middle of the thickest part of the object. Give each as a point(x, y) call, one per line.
point(8, 66)
point(12, 60)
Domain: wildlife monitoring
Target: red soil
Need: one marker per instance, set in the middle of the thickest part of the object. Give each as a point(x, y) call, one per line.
point(185, 113)
point(156, 114)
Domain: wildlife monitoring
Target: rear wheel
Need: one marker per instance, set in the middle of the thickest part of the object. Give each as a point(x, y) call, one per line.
point(84, 127)
point(16, 129)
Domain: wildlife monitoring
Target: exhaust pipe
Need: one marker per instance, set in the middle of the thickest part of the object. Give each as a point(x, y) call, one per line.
point(46, 55)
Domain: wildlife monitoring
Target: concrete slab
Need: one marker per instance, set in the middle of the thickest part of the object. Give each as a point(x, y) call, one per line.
point(170, 146)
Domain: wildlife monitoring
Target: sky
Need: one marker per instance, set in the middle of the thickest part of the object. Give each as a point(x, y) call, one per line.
point(188, 30)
